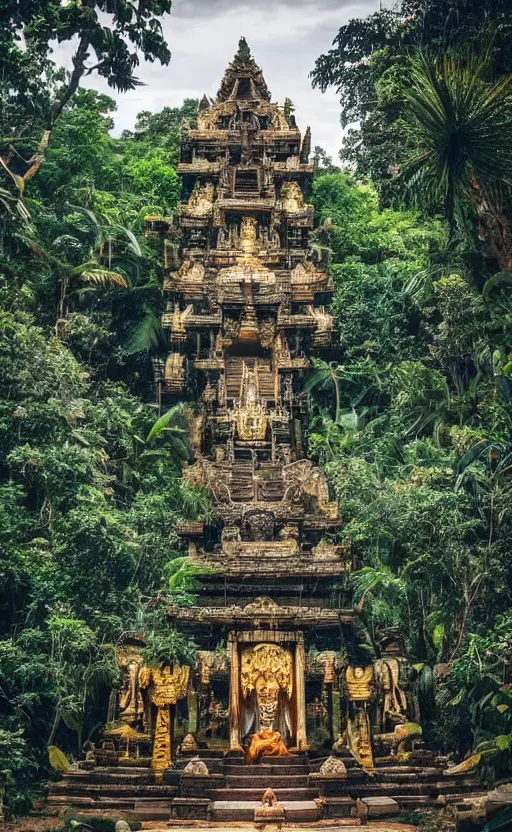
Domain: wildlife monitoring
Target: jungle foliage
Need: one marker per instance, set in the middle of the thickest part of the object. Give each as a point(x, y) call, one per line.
point(414, 414)
point(90, 488)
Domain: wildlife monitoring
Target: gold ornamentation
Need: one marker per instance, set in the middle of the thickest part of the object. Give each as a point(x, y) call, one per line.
point(359, 681)
point(165, 688)
point(267, 669)
point(467, 765)
point(178, 331)
point(250, 416)
point(359, 739)
point(248, 268)
point(189, 743)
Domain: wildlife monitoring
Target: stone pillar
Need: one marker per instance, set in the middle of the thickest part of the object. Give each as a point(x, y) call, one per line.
point(234, 694)
point(300, 694)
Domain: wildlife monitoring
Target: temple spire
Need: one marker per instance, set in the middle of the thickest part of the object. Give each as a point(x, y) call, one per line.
point(243, 79)
point(244, 53)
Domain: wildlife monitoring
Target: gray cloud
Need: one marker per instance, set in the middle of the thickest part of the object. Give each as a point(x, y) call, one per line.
point(285, 38)
point(207, 8)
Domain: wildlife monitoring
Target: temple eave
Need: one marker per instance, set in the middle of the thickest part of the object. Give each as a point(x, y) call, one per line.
point(294, 617)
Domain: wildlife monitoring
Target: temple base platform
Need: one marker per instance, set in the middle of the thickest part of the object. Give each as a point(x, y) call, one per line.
point(232, 791)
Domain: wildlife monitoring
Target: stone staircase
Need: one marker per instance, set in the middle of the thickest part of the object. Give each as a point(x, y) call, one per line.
point(243, 786)
point(232, 790)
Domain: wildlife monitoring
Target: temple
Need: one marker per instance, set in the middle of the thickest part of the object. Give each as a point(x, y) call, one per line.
point(280, 696)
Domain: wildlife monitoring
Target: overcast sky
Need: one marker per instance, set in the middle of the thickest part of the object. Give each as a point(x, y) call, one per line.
point(285, 38)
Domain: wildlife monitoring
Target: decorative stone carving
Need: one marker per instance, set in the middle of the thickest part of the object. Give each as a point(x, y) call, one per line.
point(174, 372)
point(393, 698)
point(267, 332)
point(333, 765)
point(262, 606)
point(189, 743)
point(303, 479)
point(305, 272)
point(196, 768)
point(129, 659)
point(200, 203)
point(190, 270)
point(270, 809)
point(230, 539)
point(259, 524)
point(269, 798)
point(292, 198)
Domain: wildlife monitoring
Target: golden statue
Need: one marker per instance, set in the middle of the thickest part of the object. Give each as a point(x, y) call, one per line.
point(248, 268)
point(250, 415)
point(131, 703)
point(359, 681)
point(267, 685)
point(165, 688)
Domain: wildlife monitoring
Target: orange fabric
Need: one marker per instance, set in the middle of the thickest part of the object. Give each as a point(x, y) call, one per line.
point(266, 744)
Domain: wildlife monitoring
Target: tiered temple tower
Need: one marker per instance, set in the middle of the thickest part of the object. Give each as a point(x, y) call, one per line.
point(247, 308)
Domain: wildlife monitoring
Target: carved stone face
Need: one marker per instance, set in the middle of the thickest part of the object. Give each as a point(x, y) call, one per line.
point(260, 525)
point(267, 689)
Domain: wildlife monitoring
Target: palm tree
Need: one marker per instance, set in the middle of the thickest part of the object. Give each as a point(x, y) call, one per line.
point(97, 257)
point(459, 125)
point(325, 376)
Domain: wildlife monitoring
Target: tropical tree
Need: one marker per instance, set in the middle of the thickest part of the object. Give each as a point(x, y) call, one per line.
point(88, 255)
point(461, 163)
point(326, 375)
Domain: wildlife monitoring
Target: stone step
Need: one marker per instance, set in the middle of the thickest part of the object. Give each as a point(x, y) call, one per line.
point(296, 811)
point(381, 807)
point(293, 760)
point(265, 771)
point(249, 794)
point(153, 809)
point(79, 802)
point(233, 810)
point(299, 811)
point(410, 802)
point(97, 790)
point(275, 780)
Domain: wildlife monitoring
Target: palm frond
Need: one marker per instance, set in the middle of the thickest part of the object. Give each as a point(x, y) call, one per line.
point(102, 278)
